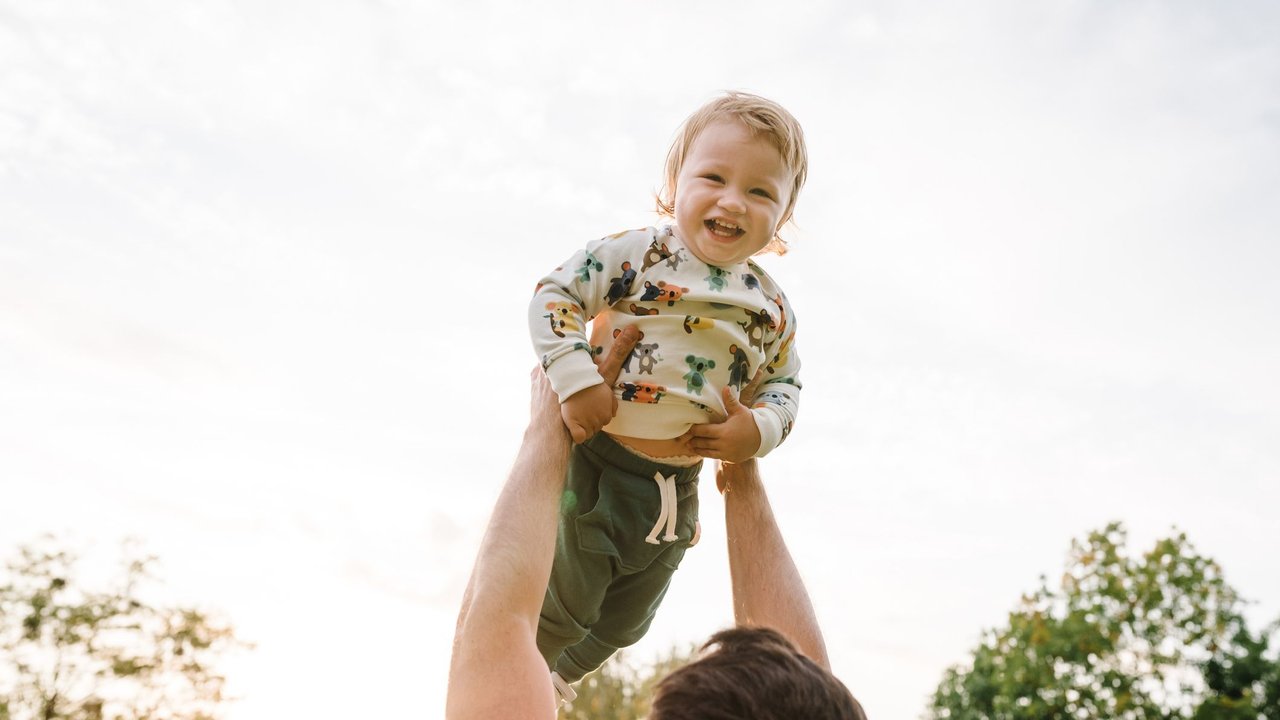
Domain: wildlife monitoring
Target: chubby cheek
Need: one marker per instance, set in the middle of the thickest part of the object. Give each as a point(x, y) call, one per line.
point(687, 218)
point(684, 209)
point(691, 200)
point(771, 224)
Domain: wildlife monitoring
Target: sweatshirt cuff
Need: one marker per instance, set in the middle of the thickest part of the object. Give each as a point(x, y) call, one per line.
point(770, 427)
point(572, 372)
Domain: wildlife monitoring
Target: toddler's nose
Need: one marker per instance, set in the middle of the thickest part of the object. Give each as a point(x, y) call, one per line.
point(731, 200)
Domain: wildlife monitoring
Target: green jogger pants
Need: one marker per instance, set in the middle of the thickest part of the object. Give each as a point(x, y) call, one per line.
point(625, 523)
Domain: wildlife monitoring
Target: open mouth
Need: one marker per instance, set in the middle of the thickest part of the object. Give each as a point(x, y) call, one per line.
point(723, 229)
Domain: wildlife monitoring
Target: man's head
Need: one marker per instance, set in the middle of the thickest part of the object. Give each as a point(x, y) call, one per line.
point(753, 673)
point(764, 121)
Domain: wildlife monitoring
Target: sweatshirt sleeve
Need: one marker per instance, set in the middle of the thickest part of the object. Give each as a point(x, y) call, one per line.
point(777, 401)
point(565, 300)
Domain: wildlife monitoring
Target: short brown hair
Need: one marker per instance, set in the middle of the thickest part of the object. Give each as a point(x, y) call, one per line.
point(753, 673)
point(762, 117)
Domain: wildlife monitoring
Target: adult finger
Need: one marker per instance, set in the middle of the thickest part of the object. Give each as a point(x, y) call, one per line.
point(609, 365)
point(749, 391)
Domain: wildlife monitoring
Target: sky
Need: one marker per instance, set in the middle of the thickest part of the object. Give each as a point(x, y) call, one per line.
point(264, 268)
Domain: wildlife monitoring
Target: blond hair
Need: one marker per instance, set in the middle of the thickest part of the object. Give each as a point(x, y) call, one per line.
point(762, 117)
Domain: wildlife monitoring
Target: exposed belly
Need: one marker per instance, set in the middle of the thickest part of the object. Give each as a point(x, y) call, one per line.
point(656, 448)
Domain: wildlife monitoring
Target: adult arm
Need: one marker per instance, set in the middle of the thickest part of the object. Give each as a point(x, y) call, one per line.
point(496, 669)
point(767, 589)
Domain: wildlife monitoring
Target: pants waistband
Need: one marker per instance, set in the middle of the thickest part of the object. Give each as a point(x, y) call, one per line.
point(618, 456)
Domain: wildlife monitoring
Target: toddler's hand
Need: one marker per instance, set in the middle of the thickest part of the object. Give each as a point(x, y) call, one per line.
point(588, 410)
point(734, 439)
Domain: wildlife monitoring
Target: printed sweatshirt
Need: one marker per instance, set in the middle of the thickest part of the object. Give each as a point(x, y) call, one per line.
point(703, 328)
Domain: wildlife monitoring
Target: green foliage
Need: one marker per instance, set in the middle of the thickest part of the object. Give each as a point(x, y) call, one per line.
point(71, 653)
point(1155, 636)
point(1244, 683)
point(618, 690)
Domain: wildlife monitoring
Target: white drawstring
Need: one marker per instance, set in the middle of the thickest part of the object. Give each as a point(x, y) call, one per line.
point(667, 515)
point(564, 691)
point(671, 516)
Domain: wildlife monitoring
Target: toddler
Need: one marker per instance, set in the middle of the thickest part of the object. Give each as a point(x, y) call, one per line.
point(709, 319)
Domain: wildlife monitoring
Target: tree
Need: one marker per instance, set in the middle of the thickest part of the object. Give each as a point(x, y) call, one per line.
point(1243, 681)
point(71, 653)
point(620, 691)
point(1156, 636)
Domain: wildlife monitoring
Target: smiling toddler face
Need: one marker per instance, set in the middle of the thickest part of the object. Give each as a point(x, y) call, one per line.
point(731, 194)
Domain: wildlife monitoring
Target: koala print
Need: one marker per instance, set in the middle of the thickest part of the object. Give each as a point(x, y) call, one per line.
point(775, 398)
point(676, 258)
point(662, 291)
point(780, 359)
point(646, 353)
point(620, 285)
point(694, 378)
point(718, 280)
point(563, 316)
point(739, 367)
point(656, 253)
point(756, 325)
point(693, 322)
point(751, 281)
point(782, 313)
point(642, 392)
point(591, 263)
point(771, 398)
point(641, 311)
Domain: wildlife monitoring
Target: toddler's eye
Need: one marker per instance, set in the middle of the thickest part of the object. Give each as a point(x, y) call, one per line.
point(762, 193)
point(713, 178)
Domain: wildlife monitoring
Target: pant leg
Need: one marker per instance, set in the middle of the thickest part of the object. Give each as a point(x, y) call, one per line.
point(628, 609)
